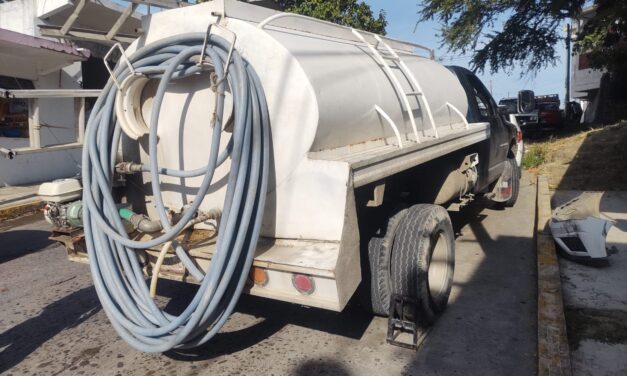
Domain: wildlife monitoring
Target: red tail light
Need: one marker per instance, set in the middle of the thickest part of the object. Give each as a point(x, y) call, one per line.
point(518, 136)
point(303, 283)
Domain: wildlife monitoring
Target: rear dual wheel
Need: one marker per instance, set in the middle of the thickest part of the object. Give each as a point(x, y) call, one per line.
point(414, 257)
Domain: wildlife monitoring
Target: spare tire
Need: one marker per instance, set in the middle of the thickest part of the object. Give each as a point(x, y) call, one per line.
point(379, 255)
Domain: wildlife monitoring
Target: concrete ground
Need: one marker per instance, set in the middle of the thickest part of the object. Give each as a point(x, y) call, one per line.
point(51, 321)
point(18, 194)
point(18, 200)
point(595, 298)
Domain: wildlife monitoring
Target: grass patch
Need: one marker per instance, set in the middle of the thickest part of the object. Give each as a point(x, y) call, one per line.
point(534, 156)
point(580, 157)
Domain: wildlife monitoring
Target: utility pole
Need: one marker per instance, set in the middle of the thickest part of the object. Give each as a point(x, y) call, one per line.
point(567, 96)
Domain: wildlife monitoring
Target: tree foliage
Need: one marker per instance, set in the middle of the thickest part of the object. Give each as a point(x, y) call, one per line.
point(351, 13)
point(604, 36)
point(531, 31)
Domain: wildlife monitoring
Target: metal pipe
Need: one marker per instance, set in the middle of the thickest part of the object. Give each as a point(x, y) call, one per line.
point(7, 153)
point(34, 127)
point(458, 112)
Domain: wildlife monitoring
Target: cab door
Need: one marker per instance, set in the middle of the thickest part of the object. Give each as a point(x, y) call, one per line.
point(483, 108)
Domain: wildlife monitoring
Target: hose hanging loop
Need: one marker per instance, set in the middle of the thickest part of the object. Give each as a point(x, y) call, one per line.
point(227, 63)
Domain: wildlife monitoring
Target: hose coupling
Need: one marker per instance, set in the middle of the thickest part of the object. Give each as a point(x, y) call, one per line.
point(140, 221)
point(205, 216)
point(128, 168)
point(144, 224)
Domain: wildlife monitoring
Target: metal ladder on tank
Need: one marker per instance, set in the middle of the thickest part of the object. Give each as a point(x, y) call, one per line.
point(405, 69)
point(422, 98)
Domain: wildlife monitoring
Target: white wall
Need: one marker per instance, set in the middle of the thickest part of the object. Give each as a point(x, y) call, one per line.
point(59, 113)
point(583, 80)
point(22, 16)
point(586, 79)
point(34, 168)
point(18, 16)
point(12, 143)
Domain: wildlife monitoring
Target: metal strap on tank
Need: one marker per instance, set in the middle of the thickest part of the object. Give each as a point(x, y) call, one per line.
point(458, 112)
point(395, 82)
point(391, 124)
point(418, 93)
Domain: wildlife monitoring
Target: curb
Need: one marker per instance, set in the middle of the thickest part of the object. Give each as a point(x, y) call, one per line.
point(553, 350)
point(18, 210)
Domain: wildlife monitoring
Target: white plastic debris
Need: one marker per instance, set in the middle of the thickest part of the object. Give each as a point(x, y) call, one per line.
point(578, 228)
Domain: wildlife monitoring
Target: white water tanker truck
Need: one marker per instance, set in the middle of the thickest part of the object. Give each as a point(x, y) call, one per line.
point(246, 150)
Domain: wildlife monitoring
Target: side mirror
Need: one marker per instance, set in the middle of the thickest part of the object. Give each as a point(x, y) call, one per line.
point(526, 101)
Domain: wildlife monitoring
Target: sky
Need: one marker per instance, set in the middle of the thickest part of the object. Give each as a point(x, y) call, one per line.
point(402, 17)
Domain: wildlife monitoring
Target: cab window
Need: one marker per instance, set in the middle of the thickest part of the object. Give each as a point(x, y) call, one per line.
point(483, 102)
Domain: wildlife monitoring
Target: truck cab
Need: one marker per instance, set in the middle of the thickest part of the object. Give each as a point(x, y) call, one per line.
point(482, 107)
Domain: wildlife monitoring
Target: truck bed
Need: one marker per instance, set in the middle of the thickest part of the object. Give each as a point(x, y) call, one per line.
point(373, 161)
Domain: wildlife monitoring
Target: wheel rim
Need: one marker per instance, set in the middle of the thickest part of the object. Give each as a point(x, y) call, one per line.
point(439, 266)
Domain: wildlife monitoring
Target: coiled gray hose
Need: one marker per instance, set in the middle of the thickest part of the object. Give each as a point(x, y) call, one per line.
point(115, 266)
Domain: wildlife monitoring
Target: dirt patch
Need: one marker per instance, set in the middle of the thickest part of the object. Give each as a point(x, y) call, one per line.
point(16, 211)
point(590, 159)
point(601, 325)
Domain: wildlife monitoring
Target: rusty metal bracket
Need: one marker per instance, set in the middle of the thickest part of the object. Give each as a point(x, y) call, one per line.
point(398, 323)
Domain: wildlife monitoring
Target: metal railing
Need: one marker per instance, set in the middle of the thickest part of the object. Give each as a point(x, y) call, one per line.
point(348, 30)
point(34, 124)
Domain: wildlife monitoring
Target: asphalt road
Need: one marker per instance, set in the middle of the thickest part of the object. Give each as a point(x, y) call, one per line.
point(51, 321)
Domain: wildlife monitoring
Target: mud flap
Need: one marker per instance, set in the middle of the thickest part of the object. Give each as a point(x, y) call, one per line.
point(503, 189)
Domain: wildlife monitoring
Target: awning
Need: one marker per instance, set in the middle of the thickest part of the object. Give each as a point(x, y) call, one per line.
point(28, 57)
point(93, 21)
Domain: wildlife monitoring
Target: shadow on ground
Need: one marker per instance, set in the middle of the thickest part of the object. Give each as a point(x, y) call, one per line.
point(274, 315)
point(21, 340)
point(488, 325)
point(490, 322)
point(12, 245)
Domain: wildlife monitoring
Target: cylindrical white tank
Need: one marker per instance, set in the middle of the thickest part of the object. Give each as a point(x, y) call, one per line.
point(321, 85)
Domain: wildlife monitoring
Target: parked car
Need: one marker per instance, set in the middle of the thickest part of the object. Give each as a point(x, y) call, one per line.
point(511, 109)
point(549, 115)
point(510, 105)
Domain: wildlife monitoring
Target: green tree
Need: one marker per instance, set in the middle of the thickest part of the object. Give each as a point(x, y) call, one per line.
point(531, 31)
point(604, 36)
point(351, 13)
